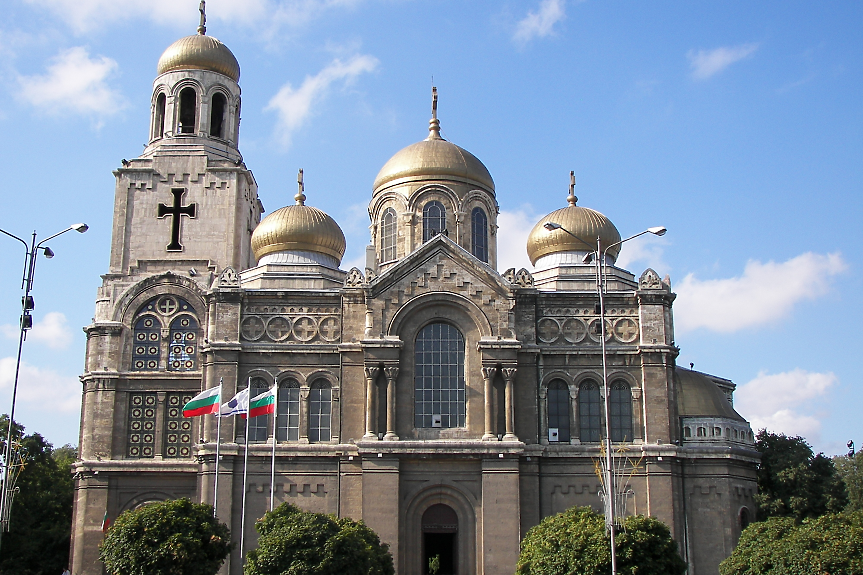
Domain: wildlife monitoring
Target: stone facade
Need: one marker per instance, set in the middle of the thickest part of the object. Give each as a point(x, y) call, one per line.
point(365, 432)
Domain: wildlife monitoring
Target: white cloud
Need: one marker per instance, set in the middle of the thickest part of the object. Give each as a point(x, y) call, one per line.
point(87, 16)
point(513, 229)
point(765, 293)
point(74, 83)
point(52, 330)
point(782, 402)
point(37, 385)
point(706, 63)
point(541, 23)
point(294, 106)
point(647, 251)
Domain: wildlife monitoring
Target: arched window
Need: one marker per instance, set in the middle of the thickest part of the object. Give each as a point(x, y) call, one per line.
point(320, 411)
point(439, 387)
point(183, 350)
point(159, 117)
point(218, 105)
point(288, 411)
point(589, 412)
point(558, 410)
point(388, 235)
point(188, 110)
point(434, 219)
point(620, 406)
point(479, 234)
point(745, 518)
point(259, 427)
point(146, 347)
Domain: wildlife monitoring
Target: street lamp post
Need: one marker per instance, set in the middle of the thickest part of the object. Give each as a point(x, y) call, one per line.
point(599, 256)
point(25, 323)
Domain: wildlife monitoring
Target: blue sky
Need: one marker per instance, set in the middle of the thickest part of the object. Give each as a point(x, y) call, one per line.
point(737, 125)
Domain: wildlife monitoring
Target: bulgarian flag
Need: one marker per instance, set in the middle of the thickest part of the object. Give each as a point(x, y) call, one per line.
point(106, 523)
point(204, 403)
point(264, 403)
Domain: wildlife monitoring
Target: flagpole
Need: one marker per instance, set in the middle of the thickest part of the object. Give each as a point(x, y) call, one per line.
point(245, 470)
point(273, 464)
point(218, 443)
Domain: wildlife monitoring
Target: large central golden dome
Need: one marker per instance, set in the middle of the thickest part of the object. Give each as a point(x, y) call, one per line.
point(585, 223)
point(298, 228)
point(199, 52)
point(434, 157)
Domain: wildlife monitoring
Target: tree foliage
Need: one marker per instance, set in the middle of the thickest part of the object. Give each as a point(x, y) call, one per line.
point(41, 517)
point(850, 468)
point(297, 542)
point(575, 542)
point(793, 482)
point(167, 538)
point(832, 543)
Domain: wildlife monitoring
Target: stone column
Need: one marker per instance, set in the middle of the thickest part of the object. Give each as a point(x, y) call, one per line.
point(509, 378)
point(391, 374)
point(488, 374)
point(371, 375)
point(304, 415)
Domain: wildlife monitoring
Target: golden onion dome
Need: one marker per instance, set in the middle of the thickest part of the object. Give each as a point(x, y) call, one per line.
point(434, 157)
point(298, 228)
point(199, 52)
point(585, 223)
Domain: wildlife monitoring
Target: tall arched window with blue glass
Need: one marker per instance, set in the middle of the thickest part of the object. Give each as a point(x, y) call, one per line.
point(434, 220)
point(439, 386)
point(479, 234)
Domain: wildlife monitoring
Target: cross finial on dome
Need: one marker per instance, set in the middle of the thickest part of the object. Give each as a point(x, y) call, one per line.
point(434, 123)
point(300, 197)
point(202, 27)
point(571, 198)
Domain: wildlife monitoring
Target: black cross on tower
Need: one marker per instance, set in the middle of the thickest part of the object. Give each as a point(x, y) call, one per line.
point(175, 211)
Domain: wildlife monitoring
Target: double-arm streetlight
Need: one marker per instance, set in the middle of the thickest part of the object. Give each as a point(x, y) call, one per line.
point(26, 322)
point(598, 254)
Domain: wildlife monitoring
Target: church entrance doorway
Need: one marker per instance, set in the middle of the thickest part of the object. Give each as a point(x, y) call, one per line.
point(440, 528)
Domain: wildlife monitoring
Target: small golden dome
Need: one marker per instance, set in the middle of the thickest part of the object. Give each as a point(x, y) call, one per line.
point(200, 52)
point(298, 228)
point(585, 223)
point(434, 157)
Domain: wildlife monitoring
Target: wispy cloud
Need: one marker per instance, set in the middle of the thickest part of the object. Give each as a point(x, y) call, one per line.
point(765, 293)
point(40, 385)
point(541, 23)
point(294, 105)
point(707, 63)
point(513, 228)
point(647, 251)
point(783, 402)
point(52, 330)
point(74, 83)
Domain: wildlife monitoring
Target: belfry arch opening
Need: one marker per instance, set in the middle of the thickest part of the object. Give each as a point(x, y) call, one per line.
point(159, 117)
point(218, 105)
point(188, 111)
point(440, 532)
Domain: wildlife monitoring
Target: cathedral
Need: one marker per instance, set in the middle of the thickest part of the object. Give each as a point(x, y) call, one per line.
point(447, 404)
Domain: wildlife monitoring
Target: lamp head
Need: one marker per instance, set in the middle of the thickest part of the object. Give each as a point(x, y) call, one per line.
point(80, 228)
point(551, 226)
point(657, 230)
point(49, 253)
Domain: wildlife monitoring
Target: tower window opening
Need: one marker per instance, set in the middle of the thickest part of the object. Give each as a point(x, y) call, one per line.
point(188, 110)
point(159, 118)
point(434, 219)
point(218, 105)
point(479, 234)
point(388, 235)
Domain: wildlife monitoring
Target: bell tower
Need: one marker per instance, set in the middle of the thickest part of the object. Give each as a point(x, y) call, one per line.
point(187, 204)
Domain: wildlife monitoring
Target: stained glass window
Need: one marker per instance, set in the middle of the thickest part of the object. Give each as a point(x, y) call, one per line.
point(146, 346)
point(589, 412)
point(439, 386)
point(558, 408)
point(479, 234)
point(388, 235)
point(320, 411)
point(141, 439)
point(288, 411)
point(183, 349)
point(434, 219)
point(178, 429)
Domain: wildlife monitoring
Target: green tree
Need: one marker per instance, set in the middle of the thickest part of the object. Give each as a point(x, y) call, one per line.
point(297, 542)
point(168, 538)
point(850, 469)
point(41, 517)
point(832, 543)
point(575, 541)
point(793, 482)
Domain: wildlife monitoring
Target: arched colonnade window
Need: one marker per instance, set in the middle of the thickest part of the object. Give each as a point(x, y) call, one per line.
point(589, 409)
point(303, 415)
